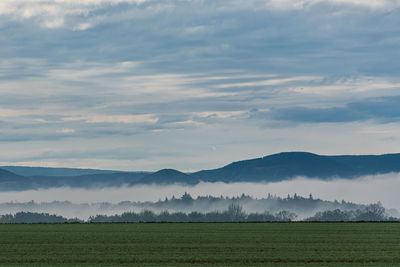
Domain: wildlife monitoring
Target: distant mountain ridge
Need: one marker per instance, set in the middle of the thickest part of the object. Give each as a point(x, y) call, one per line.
point(287, 165)
point(51, 171)
point(273, 168)
point(167, 175)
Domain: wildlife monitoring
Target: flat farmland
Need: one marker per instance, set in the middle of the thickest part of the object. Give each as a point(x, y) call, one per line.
point(201, 244)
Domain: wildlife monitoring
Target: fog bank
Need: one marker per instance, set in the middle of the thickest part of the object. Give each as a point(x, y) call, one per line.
point(384, 188)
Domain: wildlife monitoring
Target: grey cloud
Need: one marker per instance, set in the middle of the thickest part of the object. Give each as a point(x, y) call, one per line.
point(317, 115)
point(187, 58)
point(318, 38)
point(383, 109)
point(387, 108)
point(115, 154)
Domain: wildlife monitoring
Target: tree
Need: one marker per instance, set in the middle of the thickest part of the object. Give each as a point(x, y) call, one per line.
point(331, 216)
point(186, 198)
point(235, 212)
point(285, 216)
point(373, 212)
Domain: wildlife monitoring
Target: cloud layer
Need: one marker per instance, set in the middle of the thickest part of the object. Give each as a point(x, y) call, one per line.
point(364, 190)
point(146, 84)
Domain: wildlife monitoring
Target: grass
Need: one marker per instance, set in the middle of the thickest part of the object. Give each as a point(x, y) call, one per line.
point(232, 244)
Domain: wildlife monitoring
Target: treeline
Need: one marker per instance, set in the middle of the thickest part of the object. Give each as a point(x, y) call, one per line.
point(234, 213)
point(374, 212)
point(32, 217)
point(302, 206)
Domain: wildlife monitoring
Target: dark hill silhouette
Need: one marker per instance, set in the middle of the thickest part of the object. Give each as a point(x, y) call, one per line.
point(12, 181)
point(166, 176)
point(6, 176)
point(366, 165)
point(273, 168)
point(94, 180)
point(52, 171)
point(287, 165)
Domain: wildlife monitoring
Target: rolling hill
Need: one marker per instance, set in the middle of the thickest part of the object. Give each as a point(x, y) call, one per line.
point(287, 165)
point(47, 171)
point(167, 176)
point(12, 181)
point(278, 167)
point(271, 168)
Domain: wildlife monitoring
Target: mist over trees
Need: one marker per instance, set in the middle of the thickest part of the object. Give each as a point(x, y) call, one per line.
point(201, 209)
point(234, 213)
point(302, 206)
point(31, 217)
point(373, 212)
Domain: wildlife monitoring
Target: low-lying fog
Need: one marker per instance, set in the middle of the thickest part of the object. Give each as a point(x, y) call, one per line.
point(364, 190)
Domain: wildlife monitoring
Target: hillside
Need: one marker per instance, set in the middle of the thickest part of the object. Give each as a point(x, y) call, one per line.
point(167, 176)
point(6, 176)
point(287, 165)
point(12, 181)
point(47, 171)
point(271, 168)
point(94, 180)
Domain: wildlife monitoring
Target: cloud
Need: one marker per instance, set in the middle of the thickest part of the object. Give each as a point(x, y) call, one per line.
point(83, 26)
point(139, 118)
point(302, 4)
point(317, 115)
point(221, 114)
point(52, 14)
point(347, 85)
point(66, 130)
point(217, 39)
point(384, 109)
point(249, 77)
point(268, 83)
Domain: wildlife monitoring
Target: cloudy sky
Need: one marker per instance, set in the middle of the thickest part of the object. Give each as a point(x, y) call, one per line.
point(193, 84)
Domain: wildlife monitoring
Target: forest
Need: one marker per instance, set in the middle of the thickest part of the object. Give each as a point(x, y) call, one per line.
point(201, 209)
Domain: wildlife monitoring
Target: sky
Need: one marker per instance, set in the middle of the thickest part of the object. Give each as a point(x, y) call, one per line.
point(195, 84)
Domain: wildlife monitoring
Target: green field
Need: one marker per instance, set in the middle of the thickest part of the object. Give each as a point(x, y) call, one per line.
point(246, 244)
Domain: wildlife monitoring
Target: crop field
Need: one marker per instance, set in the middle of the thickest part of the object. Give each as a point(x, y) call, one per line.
point(203, 244)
